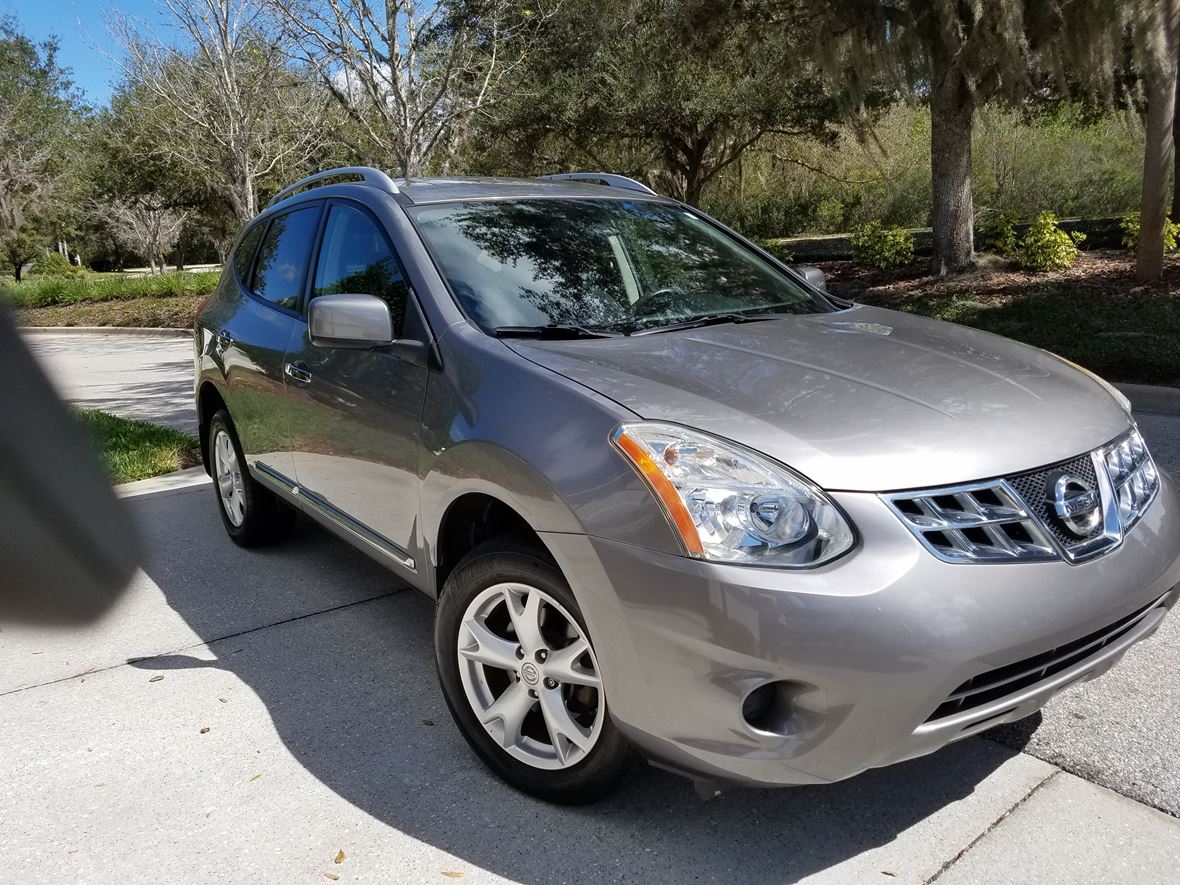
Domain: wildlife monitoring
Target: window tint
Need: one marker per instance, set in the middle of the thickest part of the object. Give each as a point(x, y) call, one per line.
point(282, 261)
point(612, 263)
point(355, 259)
point(245, 252)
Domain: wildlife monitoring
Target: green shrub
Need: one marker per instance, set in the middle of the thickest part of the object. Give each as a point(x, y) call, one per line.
point(874, 245)
point(778, 249)
point(829, 215)
point(997, 234)
point(54, 264)
point(1130, 225)
point(1048, 247)
point(64, 290)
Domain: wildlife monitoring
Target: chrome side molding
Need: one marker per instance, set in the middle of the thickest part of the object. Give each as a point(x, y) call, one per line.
point(337, 517)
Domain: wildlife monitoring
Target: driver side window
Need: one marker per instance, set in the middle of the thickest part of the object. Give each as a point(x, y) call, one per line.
point(355, 258)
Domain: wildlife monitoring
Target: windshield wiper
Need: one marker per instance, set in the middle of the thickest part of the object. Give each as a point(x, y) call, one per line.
point(708, 319)
point(556, 331)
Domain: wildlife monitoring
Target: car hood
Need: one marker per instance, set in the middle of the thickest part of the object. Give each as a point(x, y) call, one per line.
point(863, 399)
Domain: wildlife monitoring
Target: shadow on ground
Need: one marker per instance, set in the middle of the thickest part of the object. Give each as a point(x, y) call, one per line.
point(353, 695)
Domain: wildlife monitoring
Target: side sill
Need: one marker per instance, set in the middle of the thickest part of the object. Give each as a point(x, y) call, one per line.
point(292, 491)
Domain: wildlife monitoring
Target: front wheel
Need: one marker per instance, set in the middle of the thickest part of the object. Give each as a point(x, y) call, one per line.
point(520, 676)
point(252, 515)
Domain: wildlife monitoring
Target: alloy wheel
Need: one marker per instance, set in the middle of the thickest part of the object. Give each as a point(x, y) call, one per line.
point(530, 675)
point(228, 474)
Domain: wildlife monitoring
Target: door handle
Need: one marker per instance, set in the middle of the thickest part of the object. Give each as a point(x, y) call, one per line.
point(297, 372)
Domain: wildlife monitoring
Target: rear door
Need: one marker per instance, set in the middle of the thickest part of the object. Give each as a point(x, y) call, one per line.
point(270, 275)
point(355, 413)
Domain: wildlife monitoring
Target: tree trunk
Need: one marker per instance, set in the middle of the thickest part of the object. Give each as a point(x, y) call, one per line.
point(1160, 82)
point(1175, 214)
point(952, 108)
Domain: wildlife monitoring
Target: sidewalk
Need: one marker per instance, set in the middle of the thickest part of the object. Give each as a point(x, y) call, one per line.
point(312, 671)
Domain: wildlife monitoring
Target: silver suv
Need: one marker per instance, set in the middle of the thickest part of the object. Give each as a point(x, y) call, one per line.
point(673, 500)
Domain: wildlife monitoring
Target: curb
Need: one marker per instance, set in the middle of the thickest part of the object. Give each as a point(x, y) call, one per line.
point(131, 331)
point(176, 481)
point(1147, 398)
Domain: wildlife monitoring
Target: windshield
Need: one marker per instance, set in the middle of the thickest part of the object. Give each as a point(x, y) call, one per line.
point(620, 265)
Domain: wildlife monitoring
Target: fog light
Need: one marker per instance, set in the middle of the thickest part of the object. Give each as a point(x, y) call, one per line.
point(756, 706)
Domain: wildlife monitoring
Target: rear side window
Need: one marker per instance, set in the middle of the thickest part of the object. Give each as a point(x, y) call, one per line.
point(281, 269)
point(355, 258)
point(245, 252)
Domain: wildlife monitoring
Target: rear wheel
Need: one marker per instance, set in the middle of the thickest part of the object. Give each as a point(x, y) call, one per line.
point(252, 515)
point(520, 676)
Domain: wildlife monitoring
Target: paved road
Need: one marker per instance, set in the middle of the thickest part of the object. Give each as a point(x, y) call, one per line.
point(148, 378)
point(243, 716)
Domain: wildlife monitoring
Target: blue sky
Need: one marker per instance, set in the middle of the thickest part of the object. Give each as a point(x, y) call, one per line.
point(80, 29)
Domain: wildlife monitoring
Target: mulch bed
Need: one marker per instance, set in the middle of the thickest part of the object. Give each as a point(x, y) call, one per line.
point(996, 280)
point(177, 312)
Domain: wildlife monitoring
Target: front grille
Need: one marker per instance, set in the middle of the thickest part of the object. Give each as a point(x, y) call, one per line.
point(1074, 509)
point(1008, 680)
point(1031, 487)
point(984, 522)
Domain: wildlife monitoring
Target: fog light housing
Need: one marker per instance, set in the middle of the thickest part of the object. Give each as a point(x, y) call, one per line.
point(757, 705)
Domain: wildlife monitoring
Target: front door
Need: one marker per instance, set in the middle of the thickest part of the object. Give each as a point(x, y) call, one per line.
point(270, 268)
point(355, 413)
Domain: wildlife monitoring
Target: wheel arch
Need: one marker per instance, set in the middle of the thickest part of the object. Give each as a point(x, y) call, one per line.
point(461, 508)
point(209, 401)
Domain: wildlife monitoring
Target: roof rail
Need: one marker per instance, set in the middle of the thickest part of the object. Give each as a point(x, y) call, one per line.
point(368, 174)
point(606, 178)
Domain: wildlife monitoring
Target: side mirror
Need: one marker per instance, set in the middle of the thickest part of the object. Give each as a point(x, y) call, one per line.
point(350, 321)
point(814, 276)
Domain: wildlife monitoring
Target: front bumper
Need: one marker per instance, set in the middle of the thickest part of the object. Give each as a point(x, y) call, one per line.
point(869, 646)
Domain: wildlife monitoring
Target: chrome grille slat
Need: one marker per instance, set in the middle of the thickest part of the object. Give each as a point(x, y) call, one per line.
point(984, 509)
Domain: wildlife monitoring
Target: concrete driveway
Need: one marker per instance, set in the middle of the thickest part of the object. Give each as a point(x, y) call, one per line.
point(144, 377)
point(243, 716)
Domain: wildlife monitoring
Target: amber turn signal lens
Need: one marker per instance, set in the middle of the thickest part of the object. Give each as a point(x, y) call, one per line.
point(664, 491)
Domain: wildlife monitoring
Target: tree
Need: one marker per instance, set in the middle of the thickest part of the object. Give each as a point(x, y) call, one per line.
point(19, 247)
point(1157, 32)
point(39, 116)
point(958, 55)
point(672, 92)
point(412, 76)
point(149, 230)
point(226, 105)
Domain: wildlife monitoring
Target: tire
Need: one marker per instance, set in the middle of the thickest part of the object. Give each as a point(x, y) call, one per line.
point(252, 516)
point(565, 771)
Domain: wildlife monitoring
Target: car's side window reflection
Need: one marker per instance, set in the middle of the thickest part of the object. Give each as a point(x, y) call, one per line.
point(281, 268)
point(245, 252)
point(355, 258)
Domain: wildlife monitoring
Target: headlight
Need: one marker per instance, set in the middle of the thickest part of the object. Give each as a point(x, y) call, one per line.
point(1133, 476)
point(732, 505)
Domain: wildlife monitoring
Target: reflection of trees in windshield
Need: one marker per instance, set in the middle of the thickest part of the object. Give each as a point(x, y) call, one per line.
point(569, 274)
point(595, 263)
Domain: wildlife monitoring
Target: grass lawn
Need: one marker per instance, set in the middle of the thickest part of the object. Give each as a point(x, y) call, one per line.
point(1093, 313)
point(45, 291)
point(135, 450)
